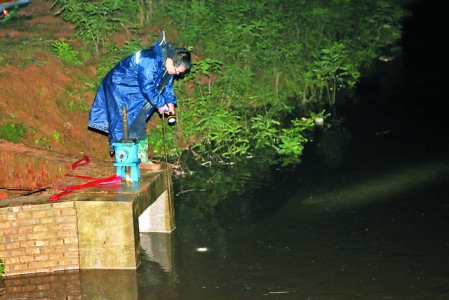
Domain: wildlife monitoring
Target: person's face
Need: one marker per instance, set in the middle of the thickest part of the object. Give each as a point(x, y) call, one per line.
point(172, 69)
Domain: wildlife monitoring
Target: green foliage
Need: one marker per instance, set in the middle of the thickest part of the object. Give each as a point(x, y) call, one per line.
point(96, 21)
point(281, 42)
point(13, 132)
point(66, 53)
point(2, 267)
point(333, 71)
point(44, 142)
point(161, 140)
point(56, 135)
point(256, 62)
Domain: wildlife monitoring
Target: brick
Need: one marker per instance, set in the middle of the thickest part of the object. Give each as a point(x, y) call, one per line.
point(13, 289)
point(41, 235)
point(8, 238)
point(42, 270)
point(67, 212)
point(11, 260)
point(27, 207)
point(50, 278)
point(13, 245)
point(71, 254)
point(10, 231)
point(33, 250)
point(44, 287)
point(17, 267)
point(47, 220)
point(14, 209)
point(8, 217)
point(39, 228)
point(16, 252)
point(50, 213)
point(54, 242)
point(39, 214)
point(68, 226)
point(40, 207)
point(65, 219)
point(24, 215)
point(19, 237)
point(42, 264)
point(58, 249)
point(26, 229)
point(42, 243)
point(68, 241)
point(29, 288)
point(28, 222)
point(72, 246)
point(27, 244)
point(4, 225)
point(41, 257)
point(69, 261)
point(26, 259)
point(67, 234)
point(59, 205)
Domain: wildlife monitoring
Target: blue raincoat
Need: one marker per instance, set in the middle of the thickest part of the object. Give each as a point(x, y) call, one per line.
point(132, 83)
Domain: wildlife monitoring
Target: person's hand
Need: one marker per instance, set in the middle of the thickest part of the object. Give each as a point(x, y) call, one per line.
point(171, 107)
point(163, 109)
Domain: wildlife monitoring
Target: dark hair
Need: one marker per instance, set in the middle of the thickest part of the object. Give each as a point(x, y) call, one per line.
point(181, 57)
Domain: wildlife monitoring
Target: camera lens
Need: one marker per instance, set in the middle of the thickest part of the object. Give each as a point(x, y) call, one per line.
point(171, 120)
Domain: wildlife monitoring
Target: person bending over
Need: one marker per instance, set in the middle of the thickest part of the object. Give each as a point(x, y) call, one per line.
point(142, 83)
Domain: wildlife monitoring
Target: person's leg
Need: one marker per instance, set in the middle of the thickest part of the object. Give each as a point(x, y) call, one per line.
point(137, 131)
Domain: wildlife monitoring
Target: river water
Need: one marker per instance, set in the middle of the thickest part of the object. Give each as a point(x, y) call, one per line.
point(364, 216)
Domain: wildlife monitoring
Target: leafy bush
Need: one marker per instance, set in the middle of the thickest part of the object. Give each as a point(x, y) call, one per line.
point(66, 53)
point(13, 132)
point(2, 267)
point(95, 20)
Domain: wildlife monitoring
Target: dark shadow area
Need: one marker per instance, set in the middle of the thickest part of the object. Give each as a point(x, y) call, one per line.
point(425, 60)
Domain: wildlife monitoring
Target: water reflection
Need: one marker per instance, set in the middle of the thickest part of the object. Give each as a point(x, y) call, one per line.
point(372, 234)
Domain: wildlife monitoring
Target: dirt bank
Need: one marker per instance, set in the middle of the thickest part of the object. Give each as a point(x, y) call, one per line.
point(50, 99)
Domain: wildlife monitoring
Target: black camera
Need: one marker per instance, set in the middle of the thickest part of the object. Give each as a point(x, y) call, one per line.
point(171, 117)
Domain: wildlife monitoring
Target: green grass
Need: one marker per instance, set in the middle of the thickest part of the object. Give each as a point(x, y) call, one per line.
point(13, 132)
point(2, 268)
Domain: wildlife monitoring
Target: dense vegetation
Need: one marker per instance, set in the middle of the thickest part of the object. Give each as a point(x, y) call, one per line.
point(264, 71)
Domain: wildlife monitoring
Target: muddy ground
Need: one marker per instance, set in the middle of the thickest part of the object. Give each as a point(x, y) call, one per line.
point(50, 99)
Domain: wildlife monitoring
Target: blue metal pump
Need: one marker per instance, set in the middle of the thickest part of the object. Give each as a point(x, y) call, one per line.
point(126, 155)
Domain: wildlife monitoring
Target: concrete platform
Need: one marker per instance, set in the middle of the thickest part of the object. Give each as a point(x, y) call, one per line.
point(93, 228)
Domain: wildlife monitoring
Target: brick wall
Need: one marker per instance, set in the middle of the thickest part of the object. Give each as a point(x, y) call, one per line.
point(39, 238)
point(59, 285)
point(21, 166)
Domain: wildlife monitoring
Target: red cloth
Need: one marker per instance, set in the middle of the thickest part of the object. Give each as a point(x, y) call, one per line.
point(95, 181)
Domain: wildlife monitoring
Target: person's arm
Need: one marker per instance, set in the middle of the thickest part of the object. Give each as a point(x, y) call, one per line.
point(148, 79)
point(169, 93)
